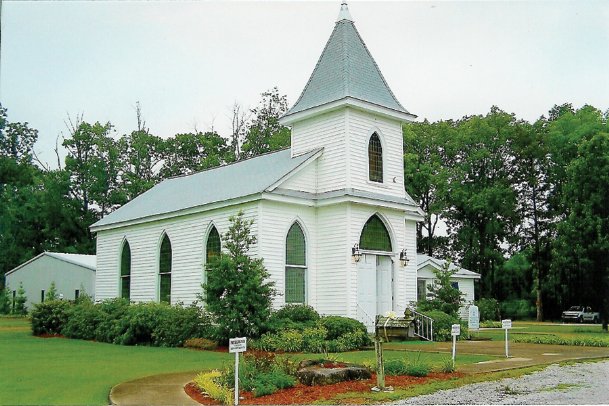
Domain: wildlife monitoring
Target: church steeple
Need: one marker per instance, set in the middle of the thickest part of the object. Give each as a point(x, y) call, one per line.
point(346, 74)
point(344, 12)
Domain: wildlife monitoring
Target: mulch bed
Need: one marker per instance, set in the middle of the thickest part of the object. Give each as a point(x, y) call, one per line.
point(302, 394)
point(50, 336)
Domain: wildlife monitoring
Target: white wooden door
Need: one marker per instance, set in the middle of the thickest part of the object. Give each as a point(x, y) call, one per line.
point(366, 290)
point(384, 285)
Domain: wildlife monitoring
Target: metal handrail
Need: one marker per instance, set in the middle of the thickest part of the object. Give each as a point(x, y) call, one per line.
point(367, 316)
point(423, 325)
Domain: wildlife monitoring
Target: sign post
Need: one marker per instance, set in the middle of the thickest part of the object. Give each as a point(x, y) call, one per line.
point(455, 331)
point(506, 325)
point(237, 345)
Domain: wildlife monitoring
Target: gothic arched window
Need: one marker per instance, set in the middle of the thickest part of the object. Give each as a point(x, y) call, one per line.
point(295, 265)
point(165, 270)
point(375, 159)
point(375, 236)
point(125, 281)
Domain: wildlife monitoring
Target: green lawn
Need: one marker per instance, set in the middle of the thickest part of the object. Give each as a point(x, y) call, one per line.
point(67, 372)
point(556, 329)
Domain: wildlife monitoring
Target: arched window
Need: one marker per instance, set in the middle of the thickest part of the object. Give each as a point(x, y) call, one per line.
point(375, 236)
point(125, 282)
point(375, 159)
point(213, 246)
point(165, 270)
point(295, 265)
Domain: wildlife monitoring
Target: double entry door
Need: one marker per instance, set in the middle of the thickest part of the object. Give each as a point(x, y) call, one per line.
point(374, 287)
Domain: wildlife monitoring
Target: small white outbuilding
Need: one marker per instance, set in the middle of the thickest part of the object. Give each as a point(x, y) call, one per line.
point(73, 274)
point(462, 279)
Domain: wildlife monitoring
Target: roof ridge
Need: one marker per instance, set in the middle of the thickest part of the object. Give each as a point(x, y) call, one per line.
point(378, 69)
point(226, 164)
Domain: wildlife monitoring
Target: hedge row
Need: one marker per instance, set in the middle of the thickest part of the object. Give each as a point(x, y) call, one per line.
point(119, 322)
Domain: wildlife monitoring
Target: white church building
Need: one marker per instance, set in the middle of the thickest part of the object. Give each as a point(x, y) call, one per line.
point(332, 219)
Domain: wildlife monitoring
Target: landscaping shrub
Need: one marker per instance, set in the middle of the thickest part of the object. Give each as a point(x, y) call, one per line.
point(488, 309)
point(338, 326)
point(314, 339)
point(442, 325)
point(113, 322)
point(261, 373)
point(82, 320)
point(181, 324)
point(293, 317)
point(210, 383)
point(447, 366)
point(50, 317)
point(553, 339)
point(201, 344)
point(517, 309)
point(401, 367)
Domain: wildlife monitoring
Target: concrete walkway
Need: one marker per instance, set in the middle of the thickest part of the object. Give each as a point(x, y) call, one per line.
point(168, 389)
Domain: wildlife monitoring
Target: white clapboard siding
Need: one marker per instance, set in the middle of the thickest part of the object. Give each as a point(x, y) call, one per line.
point(333, 259)
point(276, 218)
point(327, 131)
point(304, 180)
point(188, 237)
point(361, 126)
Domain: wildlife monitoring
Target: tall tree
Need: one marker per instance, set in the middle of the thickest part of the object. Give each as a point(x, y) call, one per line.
point(264, 133)
point(188, 153)
point(482, 216)
point(142, 155)
point(426, 176)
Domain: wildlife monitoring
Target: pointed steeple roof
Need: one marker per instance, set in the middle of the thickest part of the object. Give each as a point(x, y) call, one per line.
point(346, 71)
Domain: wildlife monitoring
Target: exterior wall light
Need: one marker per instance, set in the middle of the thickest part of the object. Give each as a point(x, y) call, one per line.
point(404, 257)
point(356, 253)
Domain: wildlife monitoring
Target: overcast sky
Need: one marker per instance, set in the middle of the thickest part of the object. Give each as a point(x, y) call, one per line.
point(187, 62)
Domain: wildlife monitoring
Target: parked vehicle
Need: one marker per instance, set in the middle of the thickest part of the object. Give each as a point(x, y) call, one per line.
point(580, 314)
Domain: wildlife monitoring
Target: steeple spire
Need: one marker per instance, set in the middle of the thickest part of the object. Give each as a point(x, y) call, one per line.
point(344, 12)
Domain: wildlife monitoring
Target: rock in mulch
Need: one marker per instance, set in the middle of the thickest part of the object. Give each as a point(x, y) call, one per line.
point(329, 372)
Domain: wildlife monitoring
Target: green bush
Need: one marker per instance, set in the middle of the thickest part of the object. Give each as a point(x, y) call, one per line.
point(338, 326)
point(19, 307)
point(314, 339)
point(113, 322)
point(182, 323)
point(82, 320)
point(517, 309)
point(293, 317)
point(401, 367)
point(488, 309)
point(50, 317)
point(553, 339)
point(442, 325)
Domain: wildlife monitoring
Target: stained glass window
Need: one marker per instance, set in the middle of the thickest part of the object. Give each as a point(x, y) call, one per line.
point(165, 271)
point(125, 288)
point(375, 159)
point(375, 236)
point(213, 247)
point(296, 265)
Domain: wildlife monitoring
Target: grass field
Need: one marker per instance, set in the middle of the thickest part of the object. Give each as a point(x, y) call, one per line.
point(57, 371)
point(555, 329)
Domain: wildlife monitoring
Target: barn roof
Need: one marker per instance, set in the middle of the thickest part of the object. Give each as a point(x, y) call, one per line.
point(239, 179)
point(346, 69)
point(85, 261)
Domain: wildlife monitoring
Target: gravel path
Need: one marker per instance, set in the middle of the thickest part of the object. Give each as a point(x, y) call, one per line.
point(585, 383)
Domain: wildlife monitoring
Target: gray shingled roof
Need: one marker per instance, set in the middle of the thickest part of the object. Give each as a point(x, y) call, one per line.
point(423, 259)
point(346, 69)
point(227, 182)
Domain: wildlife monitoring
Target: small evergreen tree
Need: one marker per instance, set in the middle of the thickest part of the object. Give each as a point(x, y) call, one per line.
point(237, 293)
point(52, 293)
point(19, 305)
point(442, 295)
point(5, 300)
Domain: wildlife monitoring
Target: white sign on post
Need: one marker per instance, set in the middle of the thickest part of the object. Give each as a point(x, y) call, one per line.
point(506, 325)
point(473, 321)
point(237, 345)
point(455, 331)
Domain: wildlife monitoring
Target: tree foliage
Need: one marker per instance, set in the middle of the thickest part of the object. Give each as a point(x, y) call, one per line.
point(238, 293)
point(442, 295)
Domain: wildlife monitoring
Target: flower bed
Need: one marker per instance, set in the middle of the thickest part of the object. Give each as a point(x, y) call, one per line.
point(302, 394)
